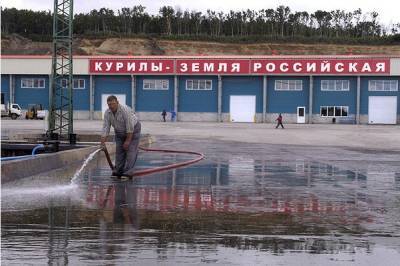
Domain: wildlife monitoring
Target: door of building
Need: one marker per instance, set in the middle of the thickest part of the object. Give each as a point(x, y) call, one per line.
point(382, 109)
point(121, 99)
point(242, 108)
point(301, 114)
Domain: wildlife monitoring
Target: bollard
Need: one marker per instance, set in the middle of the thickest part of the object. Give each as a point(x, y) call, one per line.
point(72, 139)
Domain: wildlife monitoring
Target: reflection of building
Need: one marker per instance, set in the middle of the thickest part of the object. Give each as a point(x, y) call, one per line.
point(199, 175)
point(381, 180)
point(397, 180)
point(280, 187)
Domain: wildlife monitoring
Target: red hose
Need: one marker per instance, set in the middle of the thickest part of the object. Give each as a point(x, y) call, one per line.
point(160, 168)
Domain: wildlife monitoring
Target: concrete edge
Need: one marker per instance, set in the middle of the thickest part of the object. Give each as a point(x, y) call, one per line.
point(14, 170)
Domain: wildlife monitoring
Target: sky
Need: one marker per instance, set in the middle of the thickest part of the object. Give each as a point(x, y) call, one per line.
point(388, 9)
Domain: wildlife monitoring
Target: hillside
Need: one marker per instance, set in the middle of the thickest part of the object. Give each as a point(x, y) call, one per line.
point(17, 45)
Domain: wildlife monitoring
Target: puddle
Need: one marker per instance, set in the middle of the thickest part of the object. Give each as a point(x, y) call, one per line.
point(237, 210)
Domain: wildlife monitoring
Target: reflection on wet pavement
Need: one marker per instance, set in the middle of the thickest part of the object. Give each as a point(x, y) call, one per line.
point(234, 210)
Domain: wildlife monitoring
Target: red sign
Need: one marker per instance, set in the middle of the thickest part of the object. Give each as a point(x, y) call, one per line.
point(139, 66)
point(334, 66)
point(213, 66)
point(240, 66)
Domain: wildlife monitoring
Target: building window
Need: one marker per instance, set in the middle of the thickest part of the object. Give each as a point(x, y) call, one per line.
point(383, 85)
point(32, 83)
point(198, 84)
point(335, 85)
point(79, 84)
point(334, 111)
point(289, 85)
point(155, 84)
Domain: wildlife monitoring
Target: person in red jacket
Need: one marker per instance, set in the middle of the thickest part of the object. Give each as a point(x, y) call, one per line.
point(279, 119)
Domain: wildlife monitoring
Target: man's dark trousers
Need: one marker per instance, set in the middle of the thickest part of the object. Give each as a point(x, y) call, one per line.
point(125, 160)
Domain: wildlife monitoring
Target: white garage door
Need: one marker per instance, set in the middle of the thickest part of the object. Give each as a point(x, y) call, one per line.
point(382, 109)
point(121, 99)
point(242, 108)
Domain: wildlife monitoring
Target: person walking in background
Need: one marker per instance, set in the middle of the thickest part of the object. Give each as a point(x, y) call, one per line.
point(164, 114)
point(173, 115)
point(127, 134)
point(279, 119)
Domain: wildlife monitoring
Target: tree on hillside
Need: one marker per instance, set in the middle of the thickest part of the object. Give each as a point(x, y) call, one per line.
point(323, 19)
point(282, 14)
point(265, 24)
point(167, 13)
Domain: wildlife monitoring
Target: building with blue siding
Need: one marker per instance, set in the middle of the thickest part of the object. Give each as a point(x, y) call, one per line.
point(197, 98)
point(312, 89)
point(5, 88)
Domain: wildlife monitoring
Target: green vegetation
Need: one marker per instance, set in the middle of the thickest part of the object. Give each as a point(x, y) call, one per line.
point(277, 25)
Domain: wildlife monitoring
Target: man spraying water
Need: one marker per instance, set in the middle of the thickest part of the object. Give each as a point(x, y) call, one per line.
point(127, 134)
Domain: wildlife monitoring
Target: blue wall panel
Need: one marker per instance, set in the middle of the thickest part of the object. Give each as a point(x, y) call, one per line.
point(5, 87)
point(154, 100)
point(198, 100)
point(286, 101)
point(242, 86)
point(26, 96)
point(204, 101)
point(365, 93)
point(112, 85)
point(335, 98)
point(81, 97)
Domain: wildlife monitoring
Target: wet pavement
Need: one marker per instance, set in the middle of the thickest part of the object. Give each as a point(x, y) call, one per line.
point(245, 204)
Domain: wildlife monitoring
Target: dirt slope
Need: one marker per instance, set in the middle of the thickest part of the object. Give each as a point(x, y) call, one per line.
point(15, 44)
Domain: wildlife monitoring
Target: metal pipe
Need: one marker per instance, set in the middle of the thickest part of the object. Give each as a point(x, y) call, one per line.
point(358, 100)
point(91, 98)
point(15, 158)
point(219, 98)
point(310, 100)
point(264, 99)
point(40, 146)
point(133, 92)
point(176, 97)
